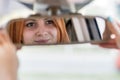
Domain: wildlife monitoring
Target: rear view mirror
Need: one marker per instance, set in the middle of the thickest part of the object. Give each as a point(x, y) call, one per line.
point(37, 30)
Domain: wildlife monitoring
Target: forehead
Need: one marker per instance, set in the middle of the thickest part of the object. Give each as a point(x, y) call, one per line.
point(38, 18)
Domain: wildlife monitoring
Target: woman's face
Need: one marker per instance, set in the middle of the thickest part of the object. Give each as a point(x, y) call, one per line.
point(39, 31)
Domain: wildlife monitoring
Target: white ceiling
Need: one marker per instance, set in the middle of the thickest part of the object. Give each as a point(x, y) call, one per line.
point(70, 1)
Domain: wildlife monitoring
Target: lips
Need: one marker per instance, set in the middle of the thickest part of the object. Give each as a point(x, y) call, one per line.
point(41, 41)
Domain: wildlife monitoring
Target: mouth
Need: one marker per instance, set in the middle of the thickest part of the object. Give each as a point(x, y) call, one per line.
point(41, 41)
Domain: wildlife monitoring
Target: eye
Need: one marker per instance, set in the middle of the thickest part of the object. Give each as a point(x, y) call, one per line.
point(49, 22)
point(30, 24)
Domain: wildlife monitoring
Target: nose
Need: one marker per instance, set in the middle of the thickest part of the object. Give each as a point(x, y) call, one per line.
point(41, 30)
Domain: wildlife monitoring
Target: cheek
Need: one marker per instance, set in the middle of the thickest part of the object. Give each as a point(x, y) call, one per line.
point(27, 36)
point(54, 33)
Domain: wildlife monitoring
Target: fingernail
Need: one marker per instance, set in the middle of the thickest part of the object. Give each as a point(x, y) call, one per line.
point(110, 19)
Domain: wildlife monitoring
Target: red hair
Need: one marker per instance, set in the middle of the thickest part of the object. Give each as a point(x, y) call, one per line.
point(16, 27)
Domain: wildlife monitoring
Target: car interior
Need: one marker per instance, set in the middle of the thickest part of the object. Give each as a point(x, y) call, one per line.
point(60, 38)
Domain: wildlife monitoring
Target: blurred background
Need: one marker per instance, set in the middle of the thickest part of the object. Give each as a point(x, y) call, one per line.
point(65, 62)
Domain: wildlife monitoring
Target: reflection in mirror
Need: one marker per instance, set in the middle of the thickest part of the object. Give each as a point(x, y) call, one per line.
point(36, 30)
point(87, 29)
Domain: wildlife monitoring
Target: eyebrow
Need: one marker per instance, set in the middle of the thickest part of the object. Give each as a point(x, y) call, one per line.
point(38, 19)
point(48, 18)
point(30, 20)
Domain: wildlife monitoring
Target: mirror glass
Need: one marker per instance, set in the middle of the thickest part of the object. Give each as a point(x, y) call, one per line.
point(38, 30)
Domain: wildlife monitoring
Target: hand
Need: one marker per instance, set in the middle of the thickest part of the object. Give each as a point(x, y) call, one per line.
point(111, 43)
point(8, 58)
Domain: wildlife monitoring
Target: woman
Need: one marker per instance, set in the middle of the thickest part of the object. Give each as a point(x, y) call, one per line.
point(36, 30)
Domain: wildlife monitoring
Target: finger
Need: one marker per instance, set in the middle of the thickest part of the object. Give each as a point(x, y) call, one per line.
point(112, 42)
point(6, 36)
point(113, 26)
point(2, 37)
point(18, 46)
point(118, 41)
point(118, 23)
point(108, 45)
